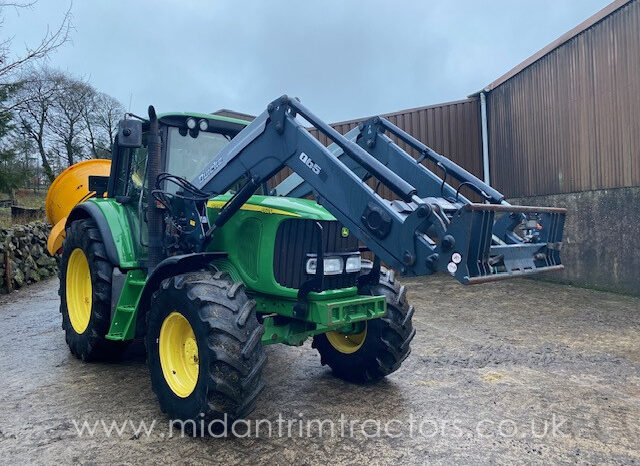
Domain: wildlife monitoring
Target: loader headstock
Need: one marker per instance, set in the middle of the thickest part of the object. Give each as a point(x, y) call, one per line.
point(480, 255)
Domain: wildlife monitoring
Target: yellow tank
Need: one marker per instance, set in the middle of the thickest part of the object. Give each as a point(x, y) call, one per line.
point(70, 188)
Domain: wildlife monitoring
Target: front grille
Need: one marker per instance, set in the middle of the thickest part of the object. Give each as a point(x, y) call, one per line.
point(297, 238)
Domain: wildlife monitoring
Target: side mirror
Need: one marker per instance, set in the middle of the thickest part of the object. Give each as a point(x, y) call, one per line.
point(130, 133)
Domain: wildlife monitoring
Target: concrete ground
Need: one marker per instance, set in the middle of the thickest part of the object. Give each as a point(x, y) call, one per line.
point(518, 371)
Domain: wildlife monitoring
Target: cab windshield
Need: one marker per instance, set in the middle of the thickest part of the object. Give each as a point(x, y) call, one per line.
point(188, 155)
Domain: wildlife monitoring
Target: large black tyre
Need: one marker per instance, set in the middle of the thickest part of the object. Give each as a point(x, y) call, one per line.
point(83, 242)
point(229, 355)
point(385, 342)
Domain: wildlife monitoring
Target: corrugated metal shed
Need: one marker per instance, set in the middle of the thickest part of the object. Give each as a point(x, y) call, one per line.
point(568, 118)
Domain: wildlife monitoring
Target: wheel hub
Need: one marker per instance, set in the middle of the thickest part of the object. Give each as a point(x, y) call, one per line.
point(178, 350)
point(191, 351)
point(78, 291)
point(347, 343)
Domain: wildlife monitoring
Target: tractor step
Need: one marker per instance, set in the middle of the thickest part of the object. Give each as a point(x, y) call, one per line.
point(123, 322)
point(121, 311)
point(126, 308)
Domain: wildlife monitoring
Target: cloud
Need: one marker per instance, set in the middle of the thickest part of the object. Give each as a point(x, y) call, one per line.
point(345, 59)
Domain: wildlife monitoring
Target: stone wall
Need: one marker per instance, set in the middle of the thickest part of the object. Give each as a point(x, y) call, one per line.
point(23, 256)
point(601, 247)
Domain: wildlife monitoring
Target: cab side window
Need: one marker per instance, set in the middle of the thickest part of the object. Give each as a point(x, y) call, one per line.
point(122, 163)
point(130, 171)
point(138, 170)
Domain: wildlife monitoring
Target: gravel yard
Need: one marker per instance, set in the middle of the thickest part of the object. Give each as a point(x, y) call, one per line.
point(520, 370)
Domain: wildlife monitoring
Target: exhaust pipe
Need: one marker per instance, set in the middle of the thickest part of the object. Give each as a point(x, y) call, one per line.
point(154, 216)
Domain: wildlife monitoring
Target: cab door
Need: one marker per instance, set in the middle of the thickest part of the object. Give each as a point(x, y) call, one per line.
point(127, 185)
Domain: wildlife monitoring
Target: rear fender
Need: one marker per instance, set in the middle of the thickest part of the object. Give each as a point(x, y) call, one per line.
point(111, 220)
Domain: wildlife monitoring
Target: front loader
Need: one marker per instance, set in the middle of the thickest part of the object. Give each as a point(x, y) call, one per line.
point(184, 245)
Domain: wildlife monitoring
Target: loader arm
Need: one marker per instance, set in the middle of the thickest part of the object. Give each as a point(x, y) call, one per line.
point(417, 235)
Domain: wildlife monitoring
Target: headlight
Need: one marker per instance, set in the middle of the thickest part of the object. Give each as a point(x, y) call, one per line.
point(311, 266)
point(353, 264)
point(203, 125)
point(191, 123)
point(332, 266)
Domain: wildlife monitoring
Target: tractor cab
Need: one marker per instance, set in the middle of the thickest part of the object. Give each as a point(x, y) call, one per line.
point(189, 142)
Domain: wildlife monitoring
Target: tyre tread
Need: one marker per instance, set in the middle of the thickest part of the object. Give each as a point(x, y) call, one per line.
point(392, 341)
point(91, 345)
point(234, 378)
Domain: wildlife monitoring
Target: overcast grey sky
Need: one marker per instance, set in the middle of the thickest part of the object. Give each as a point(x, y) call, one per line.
point(344, 59)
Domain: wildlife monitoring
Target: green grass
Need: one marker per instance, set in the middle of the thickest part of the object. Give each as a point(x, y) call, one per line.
point(24, 198)
point(29, 198)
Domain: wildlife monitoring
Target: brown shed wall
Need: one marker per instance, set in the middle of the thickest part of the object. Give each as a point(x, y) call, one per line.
point(569, 122)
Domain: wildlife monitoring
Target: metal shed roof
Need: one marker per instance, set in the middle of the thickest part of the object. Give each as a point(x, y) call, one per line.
point(233, 114)
point(580, 28)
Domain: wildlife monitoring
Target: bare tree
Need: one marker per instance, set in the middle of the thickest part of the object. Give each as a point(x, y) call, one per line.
point(101, 116)
point(92, 133)
point(35, 100)
point(108, 113)
point(67, 121)
point(52, 39)
point(32, 115)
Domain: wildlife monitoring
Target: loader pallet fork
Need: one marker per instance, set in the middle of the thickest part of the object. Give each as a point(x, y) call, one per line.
point(430, 227)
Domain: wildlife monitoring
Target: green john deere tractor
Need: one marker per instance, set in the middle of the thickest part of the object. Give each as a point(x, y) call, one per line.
point(184, 244)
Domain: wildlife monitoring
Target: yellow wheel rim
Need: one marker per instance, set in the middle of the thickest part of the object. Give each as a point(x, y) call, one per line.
point(78, 290)
point(179, 354)
point(347, 342)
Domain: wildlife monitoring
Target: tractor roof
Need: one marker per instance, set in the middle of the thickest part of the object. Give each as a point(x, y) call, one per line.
point(184, 115)
point(224, 124)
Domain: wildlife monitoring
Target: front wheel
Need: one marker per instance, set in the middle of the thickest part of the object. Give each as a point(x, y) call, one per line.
point(375, 348)
point(204, 350)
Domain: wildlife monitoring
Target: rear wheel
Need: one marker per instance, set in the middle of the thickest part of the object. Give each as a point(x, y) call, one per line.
point(373, 349)
point(204, 350)
point(85, 293)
